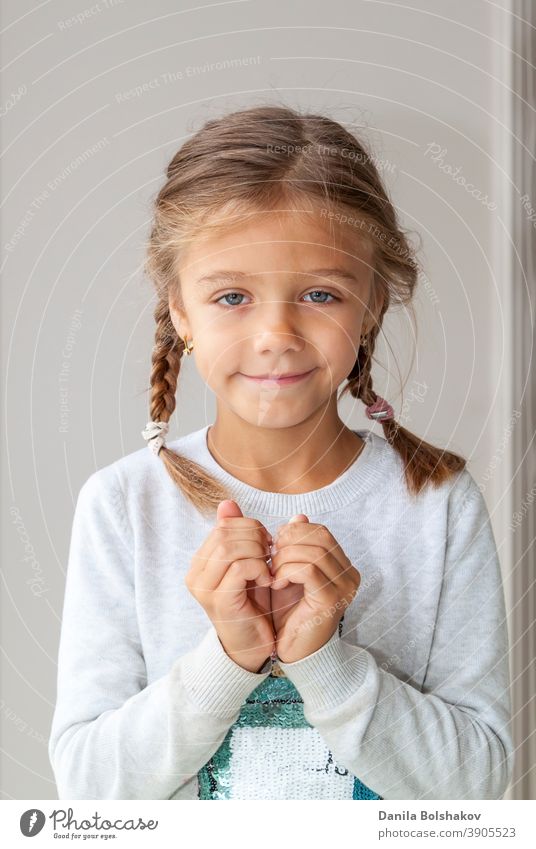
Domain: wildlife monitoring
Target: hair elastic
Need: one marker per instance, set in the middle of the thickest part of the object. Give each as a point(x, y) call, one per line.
point(381, 410)
point(155, 433)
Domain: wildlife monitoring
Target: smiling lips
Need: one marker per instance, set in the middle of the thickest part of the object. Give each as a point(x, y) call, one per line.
point(280, 379)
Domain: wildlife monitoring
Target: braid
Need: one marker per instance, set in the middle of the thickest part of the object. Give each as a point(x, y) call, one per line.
point(166, 363)
point(423, 463)
point(360, 378)
point(202, 489)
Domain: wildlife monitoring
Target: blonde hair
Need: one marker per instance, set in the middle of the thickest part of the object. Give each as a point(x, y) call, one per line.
point(251, 160)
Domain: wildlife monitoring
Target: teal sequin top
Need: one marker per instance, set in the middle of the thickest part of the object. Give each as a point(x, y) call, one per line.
point(272, 752)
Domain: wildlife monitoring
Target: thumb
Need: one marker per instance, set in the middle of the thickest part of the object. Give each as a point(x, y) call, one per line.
point(228, 509)
point(301, 517)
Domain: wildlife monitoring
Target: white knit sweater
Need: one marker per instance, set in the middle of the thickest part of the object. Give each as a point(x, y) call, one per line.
point(412, 699)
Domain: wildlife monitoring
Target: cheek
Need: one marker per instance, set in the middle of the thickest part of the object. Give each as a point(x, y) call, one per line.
point(338, 344)
point(216, 360)
point(221, 338)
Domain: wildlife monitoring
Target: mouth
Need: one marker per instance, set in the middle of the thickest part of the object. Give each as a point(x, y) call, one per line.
point(280, 380)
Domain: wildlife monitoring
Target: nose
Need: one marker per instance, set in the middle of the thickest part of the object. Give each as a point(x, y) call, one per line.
point(278, 332)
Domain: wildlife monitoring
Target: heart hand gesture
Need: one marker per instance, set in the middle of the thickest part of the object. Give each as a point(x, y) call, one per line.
point(294, 609)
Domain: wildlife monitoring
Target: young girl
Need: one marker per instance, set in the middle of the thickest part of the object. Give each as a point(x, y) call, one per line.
point(361, 652)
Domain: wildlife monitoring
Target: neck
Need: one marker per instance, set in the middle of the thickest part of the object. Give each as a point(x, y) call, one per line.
point(290, 460)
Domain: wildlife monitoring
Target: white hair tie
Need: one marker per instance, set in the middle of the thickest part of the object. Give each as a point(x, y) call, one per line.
point(155, 433)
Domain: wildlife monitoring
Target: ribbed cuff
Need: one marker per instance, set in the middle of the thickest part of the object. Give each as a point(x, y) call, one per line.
point(329, 676)
point(213, 681)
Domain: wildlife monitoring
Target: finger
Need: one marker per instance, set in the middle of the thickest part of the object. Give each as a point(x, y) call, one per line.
point(225, 535)
point(221, 535)
point(232, 590)
point(314, 581)
point(241, 571)
point(294, 530)
point(212, 568)
point(307, 533)
point(328, 564)
point(229, 537)
point(233, 522)
point(228, 507)
point(230, 529)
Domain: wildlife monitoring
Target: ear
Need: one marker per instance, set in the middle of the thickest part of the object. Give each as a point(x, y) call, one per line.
point(179, 320)
point(373, 311)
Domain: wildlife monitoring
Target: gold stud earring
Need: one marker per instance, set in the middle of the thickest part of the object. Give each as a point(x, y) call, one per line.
point(187, 348)
point(364, 343)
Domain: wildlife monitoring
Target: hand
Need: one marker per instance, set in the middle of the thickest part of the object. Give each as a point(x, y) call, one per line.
point(308, 555)
point(230, 578)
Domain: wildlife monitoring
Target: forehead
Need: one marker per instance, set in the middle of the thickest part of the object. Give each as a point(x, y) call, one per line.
point(278, 240)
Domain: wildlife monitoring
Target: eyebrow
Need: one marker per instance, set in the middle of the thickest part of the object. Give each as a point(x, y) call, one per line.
point(224, 276)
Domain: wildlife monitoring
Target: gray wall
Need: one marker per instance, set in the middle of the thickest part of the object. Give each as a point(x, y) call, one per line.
point(93, 108)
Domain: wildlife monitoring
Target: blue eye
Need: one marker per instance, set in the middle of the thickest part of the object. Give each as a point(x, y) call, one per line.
point(230, 295)
point(321, 292)
point(239, 295)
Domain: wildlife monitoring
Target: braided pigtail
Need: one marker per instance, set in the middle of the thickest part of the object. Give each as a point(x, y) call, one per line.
point(202, 489)
point(423, 463)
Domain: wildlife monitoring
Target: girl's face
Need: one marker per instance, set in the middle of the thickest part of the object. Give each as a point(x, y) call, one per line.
point(278, 295)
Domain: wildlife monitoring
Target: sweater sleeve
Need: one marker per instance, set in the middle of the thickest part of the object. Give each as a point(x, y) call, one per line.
point(112, 736)
point(451, 739)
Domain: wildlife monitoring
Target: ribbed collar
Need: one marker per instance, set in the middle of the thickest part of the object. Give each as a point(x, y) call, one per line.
point(363, 475)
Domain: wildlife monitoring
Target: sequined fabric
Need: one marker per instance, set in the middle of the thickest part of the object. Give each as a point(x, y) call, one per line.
point(272, 752)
